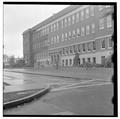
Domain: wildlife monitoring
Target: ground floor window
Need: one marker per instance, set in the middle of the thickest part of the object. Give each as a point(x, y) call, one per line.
point(66, 62)
point(83, 60)
point(102, 59)
point(62, 62)
point(89, 60)
point(94, 59)
point(70, 61)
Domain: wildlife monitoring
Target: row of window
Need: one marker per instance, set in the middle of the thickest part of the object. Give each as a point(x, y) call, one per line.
point(75, 18)
point(81, 31)
point(90, 46)
point(69, 62)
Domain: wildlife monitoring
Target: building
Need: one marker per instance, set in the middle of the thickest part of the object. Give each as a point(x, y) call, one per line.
point(82, 29)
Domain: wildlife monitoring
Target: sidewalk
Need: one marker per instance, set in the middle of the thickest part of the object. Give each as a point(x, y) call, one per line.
point(74, 72)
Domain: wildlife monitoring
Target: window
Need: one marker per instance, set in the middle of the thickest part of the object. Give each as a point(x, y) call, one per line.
point(78, 32)
point(73, 19)
point(69, 21)
point(79, 48)
point(57, 25)
point(66, 62)
point(89, 60)
point(70, 34)
point(65, 36)
point(87, 13)
point(94, 45)
point(102, 59)
point(54, 27)
point(92, 10)
point(67, 50)
point(109, 21)
point(89, 46)
point(65, 22)
point(73, 33)
point(77, 17)
point(109, 42)
point(82, 15)
point(83, 45)
point(71, 50)
point(63, 62)
point(70, 61)
point(94, 59)
point(62, 37)
point(83, 60)
point(87, 29)
point(101, 23)
point(57, 39)
point(51, 28)
point(93, 28)
point(82, 31)
point(54, 39)
point(103, 43)
point(74, 48)
point(62, 24)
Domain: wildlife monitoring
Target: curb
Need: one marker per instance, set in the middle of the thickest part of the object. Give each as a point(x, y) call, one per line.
point(25, 99)
point(45, 74)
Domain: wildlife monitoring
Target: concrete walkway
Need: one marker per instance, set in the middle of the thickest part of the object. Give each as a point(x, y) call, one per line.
point(74, 72)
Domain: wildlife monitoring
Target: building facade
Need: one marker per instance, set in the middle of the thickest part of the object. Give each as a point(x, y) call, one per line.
point(82, 29)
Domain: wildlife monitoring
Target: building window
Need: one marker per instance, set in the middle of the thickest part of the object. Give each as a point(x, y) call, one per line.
point(62, 37)
point(73, 19)
point(57, 39)
point(101, 23)
point(102, 59)
point(83, 60)
point(69, 21)
point(77, 17)
point(87, 13)
point(93, 28)
point(103, 43)
point(82, 15)
point(82, 31)
point(70, 34)
point(62, 25)
point(73, 33)
point(66, 62)
point(78, 32)
point(87, 29)
point(66, 36)
point(83, 46)
point(94, 60)
point(57, 25)
point(89, 60)
point(63, 62)
point(89, 46)
point(110, 42)
point(71, 49)
point(109, 21)
point(65, 22)
point(70, 61)
point(79, 48)
point(92, 10)
point(94, 45)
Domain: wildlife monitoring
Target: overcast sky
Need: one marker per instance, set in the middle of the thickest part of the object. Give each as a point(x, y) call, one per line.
point(18, 18)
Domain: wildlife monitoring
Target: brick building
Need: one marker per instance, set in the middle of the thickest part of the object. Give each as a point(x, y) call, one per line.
point(82, 29)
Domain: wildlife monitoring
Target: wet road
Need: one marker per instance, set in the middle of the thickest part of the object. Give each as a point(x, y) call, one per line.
point(67, 96)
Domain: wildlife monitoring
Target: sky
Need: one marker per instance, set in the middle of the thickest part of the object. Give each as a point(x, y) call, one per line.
point(18, 18)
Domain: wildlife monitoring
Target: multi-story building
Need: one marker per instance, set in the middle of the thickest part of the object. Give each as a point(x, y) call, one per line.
point(82, 29)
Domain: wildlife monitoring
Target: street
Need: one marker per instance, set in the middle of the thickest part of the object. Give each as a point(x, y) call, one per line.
point(67, 96)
